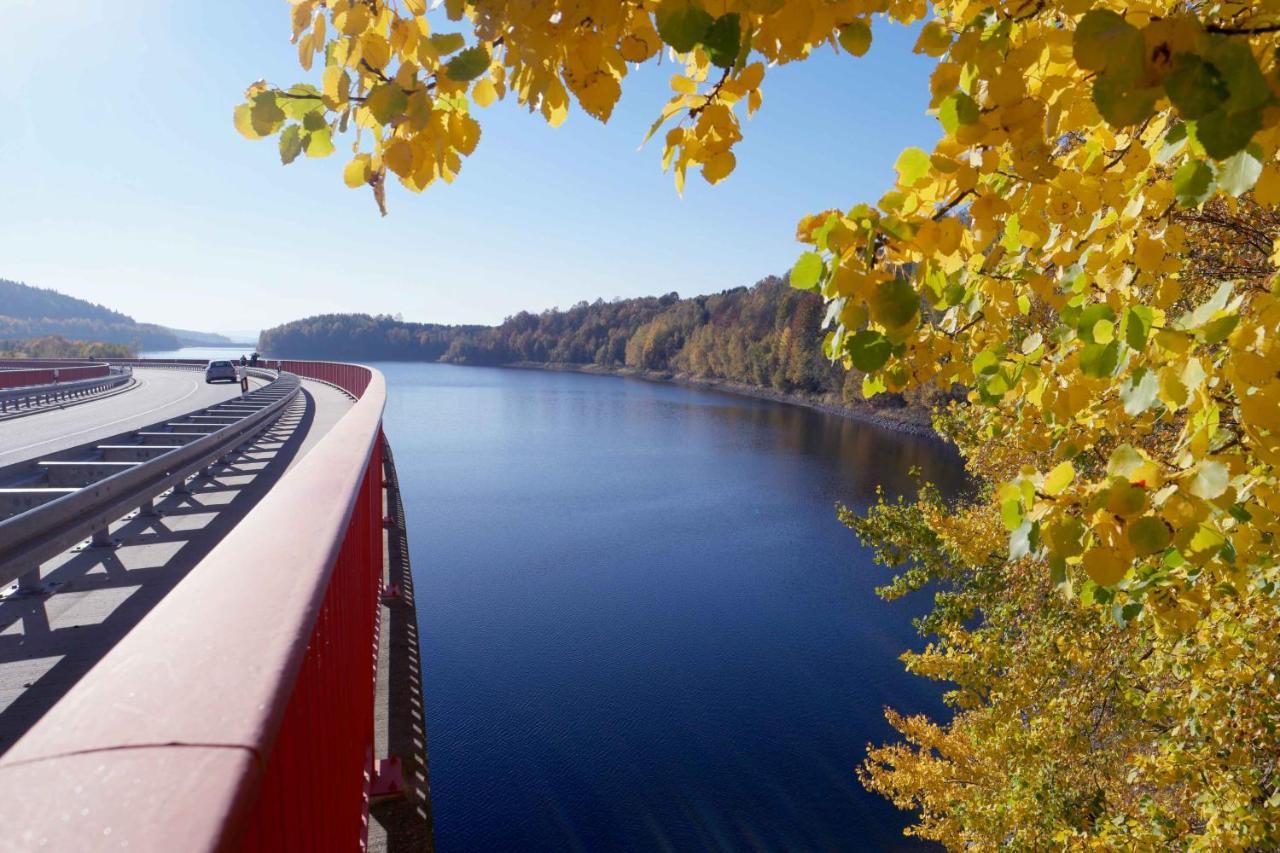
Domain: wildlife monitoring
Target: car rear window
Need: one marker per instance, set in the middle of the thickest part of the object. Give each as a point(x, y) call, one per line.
point(220, 364)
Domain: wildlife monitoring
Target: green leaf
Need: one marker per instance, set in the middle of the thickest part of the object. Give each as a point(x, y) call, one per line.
point(1194, 86)
point(308, 101)
point(318, 143)
point(1148, 535)
point(1139, 391)
point(313, 121)
point(447, 43)
point(807, 272)
point(1239, 172)
point(1174, 141)
point(1210, 480)
point(1104, 41)
point(1137, 326)
point(868, 350)
point(957, 110)
point(265, 115)
point(682, 24)
point(386, 101)
point(1089, 318)
point(468, 65)
point(913, 164)
point(1234, 61)
point(1216, 331)
point(894, 303)
point(856, 37)
point(986, 363)
point(1193, 183)
point(1223, 133)
point(722, 40)
point(290, 144)
point(1121, 103)
point(1100, 360)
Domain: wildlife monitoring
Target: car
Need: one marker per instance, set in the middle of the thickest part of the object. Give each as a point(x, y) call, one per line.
point(219, 371)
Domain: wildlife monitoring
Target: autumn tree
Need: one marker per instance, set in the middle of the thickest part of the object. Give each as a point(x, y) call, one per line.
point(1089, 250)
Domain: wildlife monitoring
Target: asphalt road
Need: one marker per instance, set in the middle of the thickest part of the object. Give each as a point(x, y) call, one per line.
point(160, 395)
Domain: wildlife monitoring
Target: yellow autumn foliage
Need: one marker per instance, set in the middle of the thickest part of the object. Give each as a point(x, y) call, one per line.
point(1090, 250)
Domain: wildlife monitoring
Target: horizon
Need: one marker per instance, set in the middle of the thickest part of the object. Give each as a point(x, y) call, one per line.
point(172, 193)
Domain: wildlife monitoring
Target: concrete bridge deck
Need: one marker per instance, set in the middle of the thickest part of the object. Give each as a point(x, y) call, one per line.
point(48, 642)
point(161, 394)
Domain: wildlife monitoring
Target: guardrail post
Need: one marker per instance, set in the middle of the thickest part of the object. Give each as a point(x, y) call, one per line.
point(30, 583)
point(148, 509)
point(102, 539)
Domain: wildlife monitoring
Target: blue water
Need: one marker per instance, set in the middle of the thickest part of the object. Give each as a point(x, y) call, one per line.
point(643, 627)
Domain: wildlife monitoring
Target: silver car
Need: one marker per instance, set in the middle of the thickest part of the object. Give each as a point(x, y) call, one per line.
point(220, 371)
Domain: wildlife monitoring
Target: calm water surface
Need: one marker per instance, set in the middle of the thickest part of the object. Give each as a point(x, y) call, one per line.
point(643, 627)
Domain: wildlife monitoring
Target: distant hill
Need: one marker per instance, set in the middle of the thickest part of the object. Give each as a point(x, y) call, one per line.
point(28, 312)
point(765, 340)
point(189, 338)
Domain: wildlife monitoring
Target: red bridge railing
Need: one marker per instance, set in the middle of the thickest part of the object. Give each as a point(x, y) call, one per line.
point(21, 373)
point(239, 713)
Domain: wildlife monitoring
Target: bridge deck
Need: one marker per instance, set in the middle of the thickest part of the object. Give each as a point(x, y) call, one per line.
point(48, 642)
point(160, 395)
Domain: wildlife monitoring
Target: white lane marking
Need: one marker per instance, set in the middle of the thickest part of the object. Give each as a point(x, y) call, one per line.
point(195, 386)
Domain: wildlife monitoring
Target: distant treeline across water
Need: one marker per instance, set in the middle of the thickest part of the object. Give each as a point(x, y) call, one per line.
point(767, 336)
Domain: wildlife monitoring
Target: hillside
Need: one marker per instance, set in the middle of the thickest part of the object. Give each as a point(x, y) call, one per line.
point(28, 312)
point(764, 340)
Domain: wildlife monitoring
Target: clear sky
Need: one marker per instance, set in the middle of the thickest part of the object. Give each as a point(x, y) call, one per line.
point(125, 183)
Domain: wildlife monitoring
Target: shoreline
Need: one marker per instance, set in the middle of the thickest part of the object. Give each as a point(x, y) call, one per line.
point(903, 420)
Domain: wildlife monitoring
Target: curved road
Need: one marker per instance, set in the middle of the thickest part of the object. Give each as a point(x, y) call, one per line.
point(159, 395)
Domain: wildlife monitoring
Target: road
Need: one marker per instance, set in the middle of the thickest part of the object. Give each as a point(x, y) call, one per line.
point(160, 395)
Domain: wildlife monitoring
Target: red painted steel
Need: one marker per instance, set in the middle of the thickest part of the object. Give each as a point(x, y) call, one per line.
point(238, 715)
point(47, 373)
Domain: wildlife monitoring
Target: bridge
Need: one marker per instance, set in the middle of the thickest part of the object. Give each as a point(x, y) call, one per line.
point(208, 638)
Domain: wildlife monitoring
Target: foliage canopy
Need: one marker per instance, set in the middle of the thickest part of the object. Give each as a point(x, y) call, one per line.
point(1090, 249)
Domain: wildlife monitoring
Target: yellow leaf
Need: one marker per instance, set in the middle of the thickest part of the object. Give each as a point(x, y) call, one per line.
point(1059, 478)
point(356, 173)
point(683, 85)
point(1105, 566)
point(484, 92)
point(1267, 190)
point(243, 118)
point(375, 50)
point(398, 156)
point(719, 167)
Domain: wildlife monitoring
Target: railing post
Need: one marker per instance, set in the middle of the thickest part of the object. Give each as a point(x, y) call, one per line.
point(30, 583)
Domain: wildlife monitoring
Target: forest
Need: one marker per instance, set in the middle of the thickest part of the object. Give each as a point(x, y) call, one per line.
point(768, 336)
point(28, 312)
point(54, 346)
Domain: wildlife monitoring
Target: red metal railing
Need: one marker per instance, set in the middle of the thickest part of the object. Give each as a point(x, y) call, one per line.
point(21, 373)
point(239, 713)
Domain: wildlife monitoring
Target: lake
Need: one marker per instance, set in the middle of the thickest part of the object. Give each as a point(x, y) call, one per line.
point(643, 627)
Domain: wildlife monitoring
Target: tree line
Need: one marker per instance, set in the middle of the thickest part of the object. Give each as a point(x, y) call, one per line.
point(767, 336)
point(53, 346)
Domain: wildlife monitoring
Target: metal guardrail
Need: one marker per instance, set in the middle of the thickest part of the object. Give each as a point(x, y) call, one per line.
point(31, 537)
point(238, 715)
point(31, 399)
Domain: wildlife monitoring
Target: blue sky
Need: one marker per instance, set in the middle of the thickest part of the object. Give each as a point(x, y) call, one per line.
point(125, 183)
